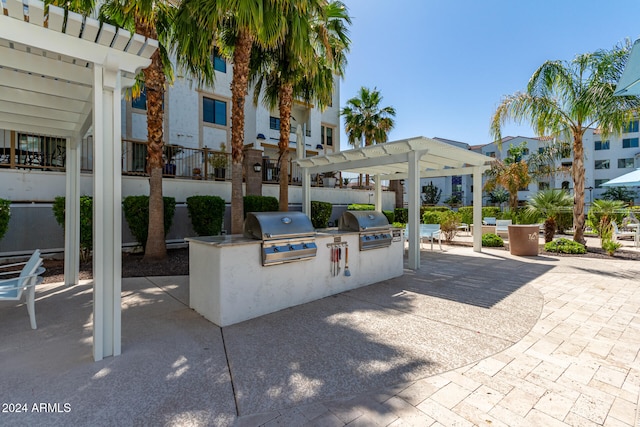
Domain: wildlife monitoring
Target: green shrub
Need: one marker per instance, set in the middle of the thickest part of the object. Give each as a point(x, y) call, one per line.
point(390, 216)
point(5, 214)
point(434, 208)
point(360, 207)
point(260, 204)
point(466, 214)
point(399, 224)
point(431, 217)
point(610, 246)
point(491, 240)
point(207, 214)
point(491, 211)
point(136, 212)
point(86, 221)
point(320, 214)
point(449, 222)
point(565, 246)
point(564, 221)
point(401, 215)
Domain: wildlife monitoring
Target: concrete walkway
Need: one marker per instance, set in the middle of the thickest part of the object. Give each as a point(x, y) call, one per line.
point(470, 339)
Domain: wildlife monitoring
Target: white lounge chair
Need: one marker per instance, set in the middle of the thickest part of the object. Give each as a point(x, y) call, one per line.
point(431, 232)
point(617, 233)
point(502, 227)
point(489, 220)
point(12, 289)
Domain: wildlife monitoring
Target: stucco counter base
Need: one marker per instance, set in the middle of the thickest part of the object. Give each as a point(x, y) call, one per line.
point(228, 283)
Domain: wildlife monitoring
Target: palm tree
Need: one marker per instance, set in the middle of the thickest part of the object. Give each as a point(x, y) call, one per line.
point(564, 99)
point(234, 26)
point(512, 174)
point(549, 204)
point(303, 66)
point(366, 120)
point(153, 20)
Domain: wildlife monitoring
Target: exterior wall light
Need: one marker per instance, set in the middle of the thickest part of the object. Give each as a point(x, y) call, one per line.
point(257, 167)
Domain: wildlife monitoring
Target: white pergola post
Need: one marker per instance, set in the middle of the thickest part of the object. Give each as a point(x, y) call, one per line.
point(72, 212)
point(477, 209)
point(107, 211)
point(413, 194)
point(306, 192)
point(378, 193)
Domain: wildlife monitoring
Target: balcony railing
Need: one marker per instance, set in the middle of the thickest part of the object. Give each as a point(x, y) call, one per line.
point(180, 162)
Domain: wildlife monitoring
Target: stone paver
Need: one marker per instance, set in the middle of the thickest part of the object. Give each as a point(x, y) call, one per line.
point(578, 366)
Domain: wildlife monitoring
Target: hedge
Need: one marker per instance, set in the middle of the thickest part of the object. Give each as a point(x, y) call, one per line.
point(5, 214)
point(207, 214)
point(260, 204)
point(360, 207)
point(320, 214)
point(86, 220)
point(401, 215)
point(136, 212)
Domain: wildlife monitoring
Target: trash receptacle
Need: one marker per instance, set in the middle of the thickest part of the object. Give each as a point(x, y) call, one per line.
point(524, 239)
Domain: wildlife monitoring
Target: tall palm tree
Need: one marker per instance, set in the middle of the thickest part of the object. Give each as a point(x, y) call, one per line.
point(152, 19)
point(512, 174)
point(302, 67)
point(234, 26)
point(549, 204)
point(564, 99)
point(366, 120)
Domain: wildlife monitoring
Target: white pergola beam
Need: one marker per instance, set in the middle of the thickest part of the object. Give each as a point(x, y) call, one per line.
point(40, 65)
point(38, 121)
point(55, 19)
point(35, 83)
point(37, 111)
point(83, 50)
point(35, 98)
point(15, 9)
point(74, 24)
point(36, 12)
point(32, 128)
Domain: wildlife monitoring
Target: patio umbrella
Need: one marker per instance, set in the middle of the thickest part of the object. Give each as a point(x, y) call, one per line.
point(629, 83)
point(631, 179)
point(300, 148)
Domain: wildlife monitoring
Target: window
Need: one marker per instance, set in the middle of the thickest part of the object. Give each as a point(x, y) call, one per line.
point(599, 182)
point(525, 151)
point(602, 164)
point(632, 126)
point(543, 186)
point(567, 164)
point(630, 143)
point(274, 123)
point(540, 150)
point(625, 163)
point(140, 102)
point(565, 185)
point(602, 145)
point(326, 135)
point(219, 64)
point(214, 111)
point(490, 154)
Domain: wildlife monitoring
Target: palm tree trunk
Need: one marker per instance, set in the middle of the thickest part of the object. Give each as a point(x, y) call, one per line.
point(154, 78)
point(286, 103)
point(239, 87)
point(578, 188)
point(549, 229)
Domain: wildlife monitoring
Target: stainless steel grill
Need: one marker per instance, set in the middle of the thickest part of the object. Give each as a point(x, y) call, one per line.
point(373, 226)
point(286, 236)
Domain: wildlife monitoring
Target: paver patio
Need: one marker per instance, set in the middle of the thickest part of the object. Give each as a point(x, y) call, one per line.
point(484, 339)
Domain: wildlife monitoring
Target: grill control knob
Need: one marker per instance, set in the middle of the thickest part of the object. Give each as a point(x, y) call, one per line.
point(275, 249)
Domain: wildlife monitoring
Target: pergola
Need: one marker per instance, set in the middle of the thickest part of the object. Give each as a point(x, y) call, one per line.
point(408, 159)
point(62, 74)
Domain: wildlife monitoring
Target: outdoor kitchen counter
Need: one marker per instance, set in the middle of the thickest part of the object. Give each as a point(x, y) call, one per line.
point(228, 283)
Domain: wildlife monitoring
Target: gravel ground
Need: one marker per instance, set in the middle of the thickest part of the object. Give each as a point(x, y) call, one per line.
point(176, 264)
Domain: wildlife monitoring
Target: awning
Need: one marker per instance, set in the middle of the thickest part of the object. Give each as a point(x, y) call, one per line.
point(408, 159)
point(631, 179)
point(629, 83)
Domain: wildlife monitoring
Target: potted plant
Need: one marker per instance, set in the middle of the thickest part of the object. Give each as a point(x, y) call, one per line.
point(218, 162)
point(329, 179)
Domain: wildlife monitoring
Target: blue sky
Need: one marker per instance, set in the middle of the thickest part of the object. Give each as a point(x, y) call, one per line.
point(445, 64)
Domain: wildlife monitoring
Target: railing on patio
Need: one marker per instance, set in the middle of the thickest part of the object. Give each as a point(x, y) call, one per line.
point(180, 162)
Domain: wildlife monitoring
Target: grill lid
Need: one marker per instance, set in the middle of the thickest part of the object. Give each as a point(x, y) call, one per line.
point(277, 225)
point(363, 221)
